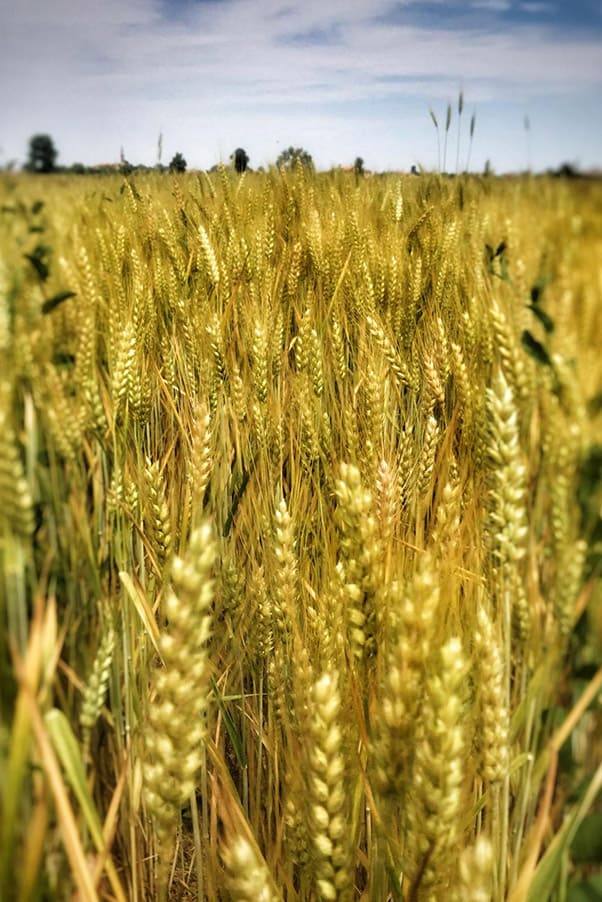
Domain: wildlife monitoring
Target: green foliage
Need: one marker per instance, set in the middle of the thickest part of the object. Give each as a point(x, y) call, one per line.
point(498, 256)
point(589, 497)
point(589, 890)
point(594, 405)
point(544, 318)
point(51, 303)
point(586, 847)
point(547, 874)
point(39, 259)
point(538, 289)
point(535, 349)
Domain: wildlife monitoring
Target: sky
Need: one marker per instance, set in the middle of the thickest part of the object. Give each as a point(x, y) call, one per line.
point(341, 78)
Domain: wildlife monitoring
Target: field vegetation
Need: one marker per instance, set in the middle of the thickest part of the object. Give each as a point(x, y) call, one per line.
point(300, 496)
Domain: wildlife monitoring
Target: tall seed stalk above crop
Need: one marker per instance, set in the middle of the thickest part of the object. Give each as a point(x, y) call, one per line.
point(460, 109)
point(436, 124)
point(448, 119)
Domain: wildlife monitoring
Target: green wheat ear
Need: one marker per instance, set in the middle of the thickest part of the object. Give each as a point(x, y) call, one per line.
point(16, 507)
point(96, 687)
point(247, 874)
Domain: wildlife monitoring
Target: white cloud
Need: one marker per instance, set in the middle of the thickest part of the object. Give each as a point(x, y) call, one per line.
point(536, 7)
point(498, 6)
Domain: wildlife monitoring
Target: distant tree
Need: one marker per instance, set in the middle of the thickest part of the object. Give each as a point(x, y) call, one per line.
point(78, 169)
point(358, 166)
point(567, 171)
point(241, 160)
point(42, 154)
point(293, 155)
point(178, 163)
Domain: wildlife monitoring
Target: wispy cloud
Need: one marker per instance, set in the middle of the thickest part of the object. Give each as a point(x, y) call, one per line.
point(537, 8)
point(313, 37)
point(496, 6)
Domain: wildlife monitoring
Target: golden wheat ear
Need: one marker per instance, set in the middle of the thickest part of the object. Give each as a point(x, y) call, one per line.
point(175, 718)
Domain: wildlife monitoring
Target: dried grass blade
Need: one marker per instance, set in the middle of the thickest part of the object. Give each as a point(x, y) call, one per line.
point(142, 606)
point(67, 821)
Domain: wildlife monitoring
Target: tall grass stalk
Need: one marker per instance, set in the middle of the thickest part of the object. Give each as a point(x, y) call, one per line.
point(460, 110)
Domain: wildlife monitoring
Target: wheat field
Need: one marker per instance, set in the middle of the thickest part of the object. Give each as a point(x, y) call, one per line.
point(300, 524)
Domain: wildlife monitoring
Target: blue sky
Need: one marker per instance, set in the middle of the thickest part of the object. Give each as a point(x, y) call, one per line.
point(341, 78)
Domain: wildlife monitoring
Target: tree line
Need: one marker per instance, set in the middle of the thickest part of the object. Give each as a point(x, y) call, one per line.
point(42, 158)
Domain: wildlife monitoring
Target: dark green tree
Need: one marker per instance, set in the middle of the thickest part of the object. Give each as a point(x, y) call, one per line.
point(358, 166)
point(178, 163)
point(293, 155)
point(42, 154)
point(241, 160)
